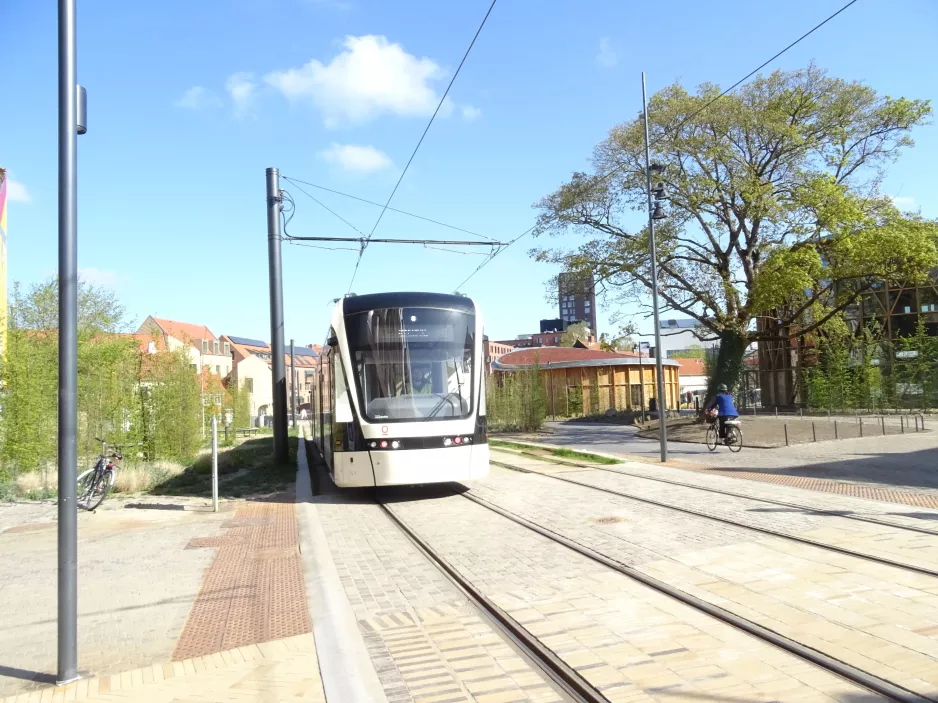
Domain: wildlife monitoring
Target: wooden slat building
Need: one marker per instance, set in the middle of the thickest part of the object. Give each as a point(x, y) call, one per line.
point(587, 381)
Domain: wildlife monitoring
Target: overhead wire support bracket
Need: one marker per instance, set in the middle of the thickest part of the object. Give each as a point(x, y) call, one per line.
point(362, 240)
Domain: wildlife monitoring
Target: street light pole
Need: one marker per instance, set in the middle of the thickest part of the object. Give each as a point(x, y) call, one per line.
point(277, 371)
point(70, 123)
point(662, 404)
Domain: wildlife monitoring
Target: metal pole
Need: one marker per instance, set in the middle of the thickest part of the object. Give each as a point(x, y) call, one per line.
point(277, 371)
point(292, 383)
point(662, 403)
point(68, 349)
point(641, 381)
point(813, 431)
point(214, 464)
point(786, 434)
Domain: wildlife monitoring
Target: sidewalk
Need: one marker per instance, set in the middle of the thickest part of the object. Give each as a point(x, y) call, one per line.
point(175, 603)
point(269, 672)
point(894, 468)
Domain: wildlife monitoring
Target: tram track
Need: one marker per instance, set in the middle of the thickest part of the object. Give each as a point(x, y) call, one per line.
point(561, 674)
point(568, 679)
point(707, 489)
point(726, 521)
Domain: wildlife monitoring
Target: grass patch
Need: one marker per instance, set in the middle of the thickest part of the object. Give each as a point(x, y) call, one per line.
point(247, 468)
point(555, 451)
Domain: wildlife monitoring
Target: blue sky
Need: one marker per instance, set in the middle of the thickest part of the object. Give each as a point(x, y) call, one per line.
point(190, 102)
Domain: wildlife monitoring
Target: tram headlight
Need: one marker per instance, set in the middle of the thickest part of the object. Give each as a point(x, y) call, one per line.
point(395, 444)
point(447, 442)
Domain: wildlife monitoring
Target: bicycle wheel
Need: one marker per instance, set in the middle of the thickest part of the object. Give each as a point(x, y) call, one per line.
point(734, 438)
point(100, 490)
point(712, 438)
point(84, 490)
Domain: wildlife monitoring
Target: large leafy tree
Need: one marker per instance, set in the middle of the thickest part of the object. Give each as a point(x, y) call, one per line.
point(775, 214)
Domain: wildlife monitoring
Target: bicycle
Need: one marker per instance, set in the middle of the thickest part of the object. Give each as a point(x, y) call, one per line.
point(734, 434)
point(95, 483)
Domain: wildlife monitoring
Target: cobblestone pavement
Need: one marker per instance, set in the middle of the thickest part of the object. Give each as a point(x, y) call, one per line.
point(878, 618)
point(270, 672)
point(629, 641)
point(136, 582)
point(899, 545)
point(253, 591)
point(427, 642)
point(811, 500)
point(883, 468)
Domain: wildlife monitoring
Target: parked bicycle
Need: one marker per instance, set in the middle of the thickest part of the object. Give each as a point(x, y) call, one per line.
point(95, 483)
point(734, 434)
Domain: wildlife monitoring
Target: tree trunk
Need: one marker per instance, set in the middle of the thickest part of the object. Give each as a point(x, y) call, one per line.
point(727, 368)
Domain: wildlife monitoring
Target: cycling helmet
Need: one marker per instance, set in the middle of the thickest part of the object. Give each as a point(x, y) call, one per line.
point(722, 388)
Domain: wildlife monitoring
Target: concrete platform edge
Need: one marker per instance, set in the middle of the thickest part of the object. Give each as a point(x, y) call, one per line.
point(344, 664)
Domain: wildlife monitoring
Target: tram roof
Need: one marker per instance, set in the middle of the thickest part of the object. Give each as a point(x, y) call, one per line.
point(379, 301)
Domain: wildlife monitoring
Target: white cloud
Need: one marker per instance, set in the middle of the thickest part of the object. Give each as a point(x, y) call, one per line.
point(471, 113)
point(198, 98)
point(903, 202)
point(241, 87)
point(356, 159)
point(17, 192)
point(607, 54)
point(370, 77)
point(98, 277)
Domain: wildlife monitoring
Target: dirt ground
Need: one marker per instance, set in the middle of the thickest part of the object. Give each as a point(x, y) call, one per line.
point(770, 432)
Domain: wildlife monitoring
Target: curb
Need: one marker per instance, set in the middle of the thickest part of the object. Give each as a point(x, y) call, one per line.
point(345, 666)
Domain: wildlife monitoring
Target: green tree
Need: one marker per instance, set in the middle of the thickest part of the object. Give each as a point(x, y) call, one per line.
point(776, 222)
point(693, 351)
point(621, 342)
point(29, 375)
point(576, 331)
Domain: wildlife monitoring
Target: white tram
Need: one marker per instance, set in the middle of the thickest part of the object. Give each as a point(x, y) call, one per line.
point(400, 392)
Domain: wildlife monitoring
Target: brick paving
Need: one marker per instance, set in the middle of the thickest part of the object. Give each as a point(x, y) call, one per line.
point(854, 490)
point(426, 641)
point(627, 640)
point(271, 672)
point(136, 582)
point(253, 591)
point(878, 618)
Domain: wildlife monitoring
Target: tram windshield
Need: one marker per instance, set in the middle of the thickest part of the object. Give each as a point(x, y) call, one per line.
point(412, 364)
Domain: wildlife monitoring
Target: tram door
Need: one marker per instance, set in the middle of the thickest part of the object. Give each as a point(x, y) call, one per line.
point(327, 394)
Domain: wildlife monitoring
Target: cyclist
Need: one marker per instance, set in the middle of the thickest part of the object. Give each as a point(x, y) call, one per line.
point(723, 404)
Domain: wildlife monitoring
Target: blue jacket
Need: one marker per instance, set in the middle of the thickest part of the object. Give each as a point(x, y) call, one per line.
point(724, 405)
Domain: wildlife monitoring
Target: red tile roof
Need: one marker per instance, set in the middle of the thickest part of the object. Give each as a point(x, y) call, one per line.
point(692, 367)
point(184, 330)
point(143, 340)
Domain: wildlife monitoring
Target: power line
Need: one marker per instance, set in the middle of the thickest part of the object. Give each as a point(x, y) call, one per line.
point(323, 205)
point(372, 202)
point(736, 84)
point(316, 246)
point(495, 253)
point(416, 148)
point(679, 125)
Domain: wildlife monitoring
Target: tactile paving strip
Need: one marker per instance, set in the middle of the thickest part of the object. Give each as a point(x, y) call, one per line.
point(254, 590)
